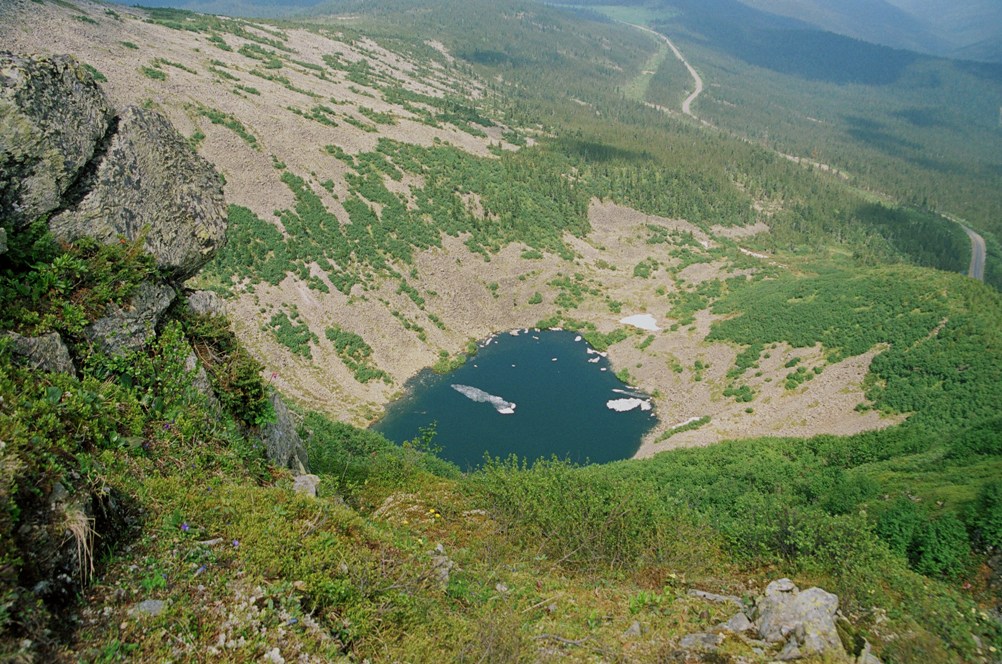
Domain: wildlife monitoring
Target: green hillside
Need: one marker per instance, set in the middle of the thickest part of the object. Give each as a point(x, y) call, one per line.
point(144, 515)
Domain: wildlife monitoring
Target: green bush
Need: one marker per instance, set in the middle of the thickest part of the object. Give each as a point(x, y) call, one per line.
point(235, 374)
point(356, 355)
point(940, 547)
point(987, 519)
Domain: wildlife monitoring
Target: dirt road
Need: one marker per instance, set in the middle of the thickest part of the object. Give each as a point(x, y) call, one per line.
point(687, 104)
point(978, 251)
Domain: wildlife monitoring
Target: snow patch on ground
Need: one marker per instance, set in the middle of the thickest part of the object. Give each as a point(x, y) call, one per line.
point(642, 321)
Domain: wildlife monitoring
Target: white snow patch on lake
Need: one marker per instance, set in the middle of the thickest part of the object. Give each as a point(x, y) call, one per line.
point(624, 405)
point(643, 321)
point(478, 395)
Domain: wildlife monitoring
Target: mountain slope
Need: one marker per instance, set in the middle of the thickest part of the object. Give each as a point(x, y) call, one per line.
point(962, 24)
point(875, 21)
point(403, 183)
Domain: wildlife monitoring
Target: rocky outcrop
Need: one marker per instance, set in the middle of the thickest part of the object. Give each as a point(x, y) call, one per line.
point(151, 186)
point(44, 353)
point(803, 621)
point(127, 329)
point(64, 152)
point(282, 443)
point(53, 119)
point(793, 624)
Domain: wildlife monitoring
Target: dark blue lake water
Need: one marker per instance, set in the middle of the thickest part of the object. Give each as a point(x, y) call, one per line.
point(535, 395)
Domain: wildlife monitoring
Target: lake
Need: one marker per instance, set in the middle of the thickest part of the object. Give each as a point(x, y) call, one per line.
point(537, 394)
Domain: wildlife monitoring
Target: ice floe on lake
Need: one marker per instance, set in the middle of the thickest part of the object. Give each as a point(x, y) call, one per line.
point(478, 395)
point(643, 321)
point(624, 405)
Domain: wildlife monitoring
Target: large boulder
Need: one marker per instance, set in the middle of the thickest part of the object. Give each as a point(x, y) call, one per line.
point(126, 329)
point(282, 443)
point(150, 185)
point(53, 119)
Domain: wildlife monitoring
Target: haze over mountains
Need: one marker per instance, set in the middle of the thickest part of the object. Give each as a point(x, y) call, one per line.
point(963, 29)
point(967, 29)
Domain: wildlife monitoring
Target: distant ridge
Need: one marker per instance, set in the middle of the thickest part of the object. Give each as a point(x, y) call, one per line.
point(961, 29)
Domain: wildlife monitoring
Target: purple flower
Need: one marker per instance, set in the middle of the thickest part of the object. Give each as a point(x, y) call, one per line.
point(185, 526)
point(236, 544)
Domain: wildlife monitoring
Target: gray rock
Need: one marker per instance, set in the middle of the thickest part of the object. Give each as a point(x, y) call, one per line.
point(200, 381)
point(803, 621)
point(441, 565)
point(737, 624)
point(867, 656)
point(719, 599)
point(282, 443)
point(44, 353)
point(701, 642)
point(633, 630)
point(53, 119)
point(124, 330)
point(149, 607)
point(306, 484)
point(151, 186)
point(58, 495)
point(206, 303)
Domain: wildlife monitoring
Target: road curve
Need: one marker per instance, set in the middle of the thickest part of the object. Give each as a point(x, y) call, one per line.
point(978, 253)
point(687, 104)
point(976, 269)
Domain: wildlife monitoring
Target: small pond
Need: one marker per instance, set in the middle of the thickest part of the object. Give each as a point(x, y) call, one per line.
point(531, 393)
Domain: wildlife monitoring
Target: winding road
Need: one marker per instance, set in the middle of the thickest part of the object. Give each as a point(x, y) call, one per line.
point(687, 104)
point(976, 269)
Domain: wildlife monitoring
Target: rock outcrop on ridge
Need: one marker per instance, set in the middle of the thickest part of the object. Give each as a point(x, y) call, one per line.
point(65, 154)
point(68, 159)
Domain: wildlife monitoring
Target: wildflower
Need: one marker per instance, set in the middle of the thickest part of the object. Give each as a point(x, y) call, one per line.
point(200, 570)
point(236, 544)
point(185, 527)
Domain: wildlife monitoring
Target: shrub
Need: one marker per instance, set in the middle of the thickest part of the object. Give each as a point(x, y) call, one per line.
point(940, 548)
point(987, 519)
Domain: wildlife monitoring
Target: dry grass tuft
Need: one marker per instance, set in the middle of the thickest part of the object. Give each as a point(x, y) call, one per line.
point(81, 528)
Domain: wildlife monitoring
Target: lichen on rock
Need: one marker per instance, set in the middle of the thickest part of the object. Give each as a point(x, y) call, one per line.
point(44, 353)
point(127, 329)
point(53, 117)
point(151, 186)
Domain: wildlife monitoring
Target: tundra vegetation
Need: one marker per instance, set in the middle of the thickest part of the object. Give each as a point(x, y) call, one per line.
point(899, 522)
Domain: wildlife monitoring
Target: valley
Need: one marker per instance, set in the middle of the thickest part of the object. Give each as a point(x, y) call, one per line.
point(788, 248)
